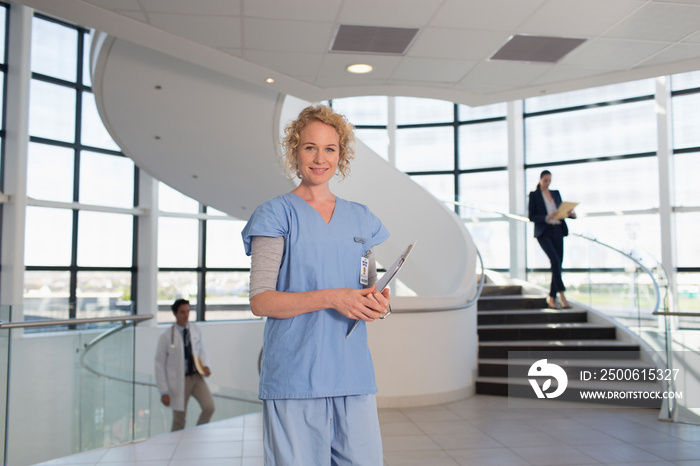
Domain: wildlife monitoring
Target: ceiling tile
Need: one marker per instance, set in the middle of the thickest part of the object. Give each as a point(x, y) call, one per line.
point(135, 14)
point(612, 53)
point(676, 52)
point(432, 69)
point(576, 18)
point(693, 38)
point(347, 80)
point(215, 31)
point(561, 73)
point(505, 74)
point(189, 7)
point(541, 49)
point(492, 15)
point(482, 88)
point(236, 52)
point(656, 21)
point(116, 4)
point(334, 64)
point(373, 39)
point(394, 13)
point(287, 36)
point(689, 2)
point(456, 43)
point(307, 10)
point(289, 63)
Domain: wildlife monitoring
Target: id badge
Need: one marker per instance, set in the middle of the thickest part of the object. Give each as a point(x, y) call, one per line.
point(364, 271)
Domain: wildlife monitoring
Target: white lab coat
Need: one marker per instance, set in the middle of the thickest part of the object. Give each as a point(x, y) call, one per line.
point(170, 362)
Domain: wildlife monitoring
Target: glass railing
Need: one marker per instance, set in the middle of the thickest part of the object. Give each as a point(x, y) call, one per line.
point(71, 391)
point(5, 371)
point(617, 279)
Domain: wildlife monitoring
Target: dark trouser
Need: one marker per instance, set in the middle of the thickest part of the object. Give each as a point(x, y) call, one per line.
point(552, 243)
point(195, 386)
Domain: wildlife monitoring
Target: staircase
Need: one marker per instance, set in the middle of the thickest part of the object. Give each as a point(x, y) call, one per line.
point(508, 320)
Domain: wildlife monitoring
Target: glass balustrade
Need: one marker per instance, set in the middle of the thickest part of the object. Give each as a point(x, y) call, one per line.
point(79, 385)
point(617, 279)
point(5, 312)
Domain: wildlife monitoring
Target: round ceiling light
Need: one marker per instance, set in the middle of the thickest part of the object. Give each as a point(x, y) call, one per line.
point(359, 68)
point(270, 80)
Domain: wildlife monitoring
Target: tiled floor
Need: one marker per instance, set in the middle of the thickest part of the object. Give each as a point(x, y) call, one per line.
point(481, 430)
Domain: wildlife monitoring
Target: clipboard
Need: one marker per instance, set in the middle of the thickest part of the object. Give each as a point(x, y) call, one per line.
point(388, 276)
point(198, 365)
point(564, 209)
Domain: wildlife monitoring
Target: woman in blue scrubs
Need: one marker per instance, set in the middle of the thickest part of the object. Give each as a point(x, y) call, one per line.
point(550, 232)
point(311, 276)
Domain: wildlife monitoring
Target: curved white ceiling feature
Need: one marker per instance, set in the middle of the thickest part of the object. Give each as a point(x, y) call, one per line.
point(206, 134)
point(214, 138)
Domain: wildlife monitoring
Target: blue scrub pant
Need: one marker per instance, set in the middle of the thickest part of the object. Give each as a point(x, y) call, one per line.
point(552, 243)
point(338, 431)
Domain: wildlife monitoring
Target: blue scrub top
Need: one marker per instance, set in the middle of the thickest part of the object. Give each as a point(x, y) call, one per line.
point(308, 356)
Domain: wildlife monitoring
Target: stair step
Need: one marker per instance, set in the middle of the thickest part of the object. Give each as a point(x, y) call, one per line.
point(573, 368)
point(516, 329)
point(521, 388)
point(511, 302)
point(499, 290)
point(551, 331)
point(522, 316)
point(545, 348)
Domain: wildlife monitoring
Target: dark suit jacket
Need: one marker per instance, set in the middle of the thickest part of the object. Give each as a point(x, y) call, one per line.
point(537, 211)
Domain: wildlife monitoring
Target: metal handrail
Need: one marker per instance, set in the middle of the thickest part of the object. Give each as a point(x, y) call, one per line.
point(90, 320)
point(92, 343)
point(482, 279)
point(636, 260)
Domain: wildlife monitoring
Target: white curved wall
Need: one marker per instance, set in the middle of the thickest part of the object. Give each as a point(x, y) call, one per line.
point(215, 139)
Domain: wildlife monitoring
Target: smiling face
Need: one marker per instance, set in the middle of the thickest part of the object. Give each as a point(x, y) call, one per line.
point(318, 153)
point(545, 181)
point(182, 315)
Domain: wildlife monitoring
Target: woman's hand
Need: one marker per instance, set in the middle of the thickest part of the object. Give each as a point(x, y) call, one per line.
point(367, 304)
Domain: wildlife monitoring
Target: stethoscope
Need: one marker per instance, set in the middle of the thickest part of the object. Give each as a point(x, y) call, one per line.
point(172, 336)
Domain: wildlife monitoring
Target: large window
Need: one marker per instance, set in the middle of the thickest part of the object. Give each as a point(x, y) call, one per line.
point(200, 258)
point(79, 240)
point(83, 205)
point(457, 153)
point(600, 144)
point(686, 160)
point(3, 88)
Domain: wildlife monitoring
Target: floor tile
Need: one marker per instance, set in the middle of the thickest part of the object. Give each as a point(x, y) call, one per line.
point(622, 453)
point(558, 455)
point(488, 457)
point(673, 451)
point(419, 458)
point(481, 430)
point(409, 443)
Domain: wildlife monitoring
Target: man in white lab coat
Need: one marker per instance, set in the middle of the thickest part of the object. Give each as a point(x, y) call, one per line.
point(181, 362)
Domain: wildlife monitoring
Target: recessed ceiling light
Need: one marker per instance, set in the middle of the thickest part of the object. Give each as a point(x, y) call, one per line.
point(270, 80)
point(359, 68)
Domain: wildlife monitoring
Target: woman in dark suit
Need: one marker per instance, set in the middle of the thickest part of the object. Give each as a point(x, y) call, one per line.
point(550, 233)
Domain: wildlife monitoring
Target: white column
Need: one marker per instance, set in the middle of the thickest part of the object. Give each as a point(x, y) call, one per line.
point(391, 129)
point(15, 173)
point(147, 255)
point(666, 184)
point(516, 191)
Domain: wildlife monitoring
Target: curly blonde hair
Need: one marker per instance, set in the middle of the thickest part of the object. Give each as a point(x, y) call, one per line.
point(324, 114)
